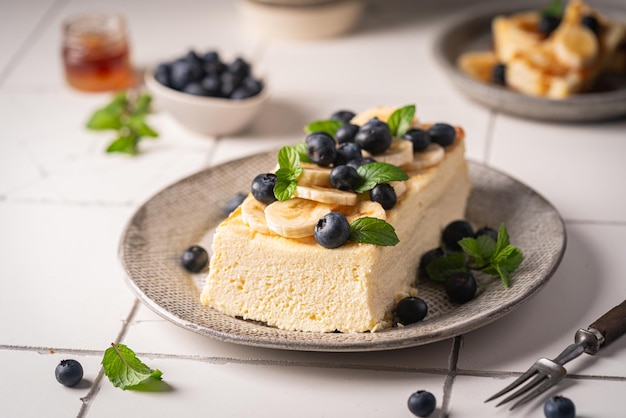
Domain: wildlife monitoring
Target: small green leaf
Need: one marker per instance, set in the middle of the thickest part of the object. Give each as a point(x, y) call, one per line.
point(400, 120)
point(125, 145)
point(376, 173)
point(555, 8)
point(329, 126)
point(284, 188)
point(503, 239)
point(289, 160)
point(442, 267)
point(124, 369)
point(373, 231)
point(142, 105)
point(478, 249)
point(300, 148)
point(138, 124)
point(103, 119)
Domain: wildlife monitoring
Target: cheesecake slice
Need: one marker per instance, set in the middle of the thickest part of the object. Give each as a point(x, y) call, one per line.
point(296, 284)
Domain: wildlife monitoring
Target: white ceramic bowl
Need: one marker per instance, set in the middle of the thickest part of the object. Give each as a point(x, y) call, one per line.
point(205, 115)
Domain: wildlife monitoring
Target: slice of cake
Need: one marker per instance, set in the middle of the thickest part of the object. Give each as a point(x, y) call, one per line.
point(268, 266)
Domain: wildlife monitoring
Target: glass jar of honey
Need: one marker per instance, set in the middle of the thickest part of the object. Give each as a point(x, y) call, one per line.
point(96, 53)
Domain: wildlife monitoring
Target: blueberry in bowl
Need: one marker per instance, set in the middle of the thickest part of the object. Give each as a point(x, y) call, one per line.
point(206, 93)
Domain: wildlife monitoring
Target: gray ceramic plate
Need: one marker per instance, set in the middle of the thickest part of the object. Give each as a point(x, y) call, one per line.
point(185, 213)
point(472, 31)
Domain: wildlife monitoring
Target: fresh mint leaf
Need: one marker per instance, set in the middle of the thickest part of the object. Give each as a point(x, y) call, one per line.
point(555, 8)
point(138, 124)
point(373, 231)
point(124, 144)
point(284, 189)
point(142, 106)
point(329, 126)
point(442, 267)
point(288, 172)
point(376, 173)
point(478, 249)
point(503, 239)
point(300, 148)
point(124, 369)
point(400, 120)
point(103, 119)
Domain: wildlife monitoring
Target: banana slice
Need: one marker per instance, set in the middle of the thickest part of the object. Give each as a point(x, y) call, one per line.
point(294, 218)
point(366, 208)
point(253, 214)
point(431, 156)
point(326, 195)
point(478, 64)
point(399, 187)
point(313, 175)
point(575, 45)
point(399, 153)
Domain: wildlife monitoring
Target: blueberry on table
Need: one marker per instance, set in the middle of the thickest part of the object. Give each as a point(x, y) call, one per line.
point(548, 24)
point(385, 195)
point(454, 232)
point(419, 137)
point(422, 403)
point(332, 230)
point(346, 133)
point(442, 134)
point(195, 259)
point(427, 258)
point(346, 152)
point(559, 407)
point(262, 188)
point(343, 115)
point(374, 137)
point(411, 310)
point(344, 177)
point(461, 287)
point(320, 148)
point(498, 74)
point(69, 373)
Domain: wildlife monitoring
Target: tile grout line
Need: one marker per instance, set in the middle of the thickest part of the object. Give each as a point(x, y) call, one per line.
point(97, 384)
point(30, 39)
point(489, 136)
point(451, 375)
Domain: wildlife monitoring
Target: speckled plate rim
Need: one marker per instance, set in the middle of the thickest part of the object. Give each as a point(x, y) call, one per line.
point(470, 25)
point(154, 263)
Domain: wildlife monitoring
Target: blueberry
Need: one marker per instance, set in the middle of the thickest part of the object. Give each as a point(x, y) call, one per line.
point(69, 373)
point(262, 188)
point(234, 202)
point(239, 67)
point(346, 133)
point(422, 403)
point(498, 74)
point(320, 148)
point(360, 161)
point(230, 82)
point(332, 230)
point(490, 232)
point(374, 137)
point(411, 310)
point(427, 258)
point(591, 22)
point(195, 88)
point(385, 195)
point(460, 287)
point(181, 74)
point(347, 151)
point(242, 92)
point(195, 259)
point(210, 56)
point(548, 24)
point(419, 137)
point(162, 74)
point(212, 84)
point(343, 115)
point(213, 64)
point(559, 407)
point(454, 232)
point(344, 177)
point(253, 85)
point(442, 134)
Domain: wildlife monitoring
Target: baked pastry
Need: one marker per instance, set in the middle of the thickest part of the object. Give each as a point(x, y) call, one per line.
point(553, 62)
point(268, 266)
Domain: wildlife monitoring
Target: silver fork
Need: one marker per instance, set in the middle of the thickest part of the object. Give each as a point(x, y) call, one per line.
point(546, 373)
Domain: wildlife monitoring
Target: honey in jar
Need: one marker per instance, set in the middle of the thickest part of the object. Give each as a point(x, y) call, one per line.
point(96, 53)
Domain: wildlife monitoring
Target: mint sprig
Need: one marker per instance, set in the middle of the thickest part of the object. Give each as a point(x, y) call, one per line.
point(300, 148)
point(400, 120)
point(287, 174)
point(555, 8)
point(373, 231)
point(376, 173)
point(329, 126)
point(498, 258)
point(124, 369)
point(126, 114)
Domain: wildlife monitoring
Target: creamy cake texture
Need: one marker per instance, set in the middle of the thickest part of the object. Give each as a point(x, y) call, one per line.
point(296, 284)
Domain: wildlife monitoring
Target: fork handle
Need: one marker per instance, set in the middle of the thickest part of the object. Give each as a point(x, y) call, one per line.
point(612, 324)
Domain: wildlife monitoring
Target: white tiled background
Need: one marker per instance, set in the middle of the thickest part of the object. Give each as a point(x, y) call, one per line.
point(64, 204)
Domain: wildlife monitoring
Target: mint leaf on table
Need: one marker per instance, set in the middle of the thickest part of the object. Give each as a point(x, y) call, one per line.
point(376, 173)
point(373, 231)
point(329, 126)
point(124, 369)
point(126, 113)
point(288, 172)
point(400, 120)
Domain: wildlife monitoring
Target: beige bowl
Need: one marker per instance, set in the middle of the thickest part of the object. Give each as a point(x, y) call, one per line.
point(300, 19)
point(205, 115)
